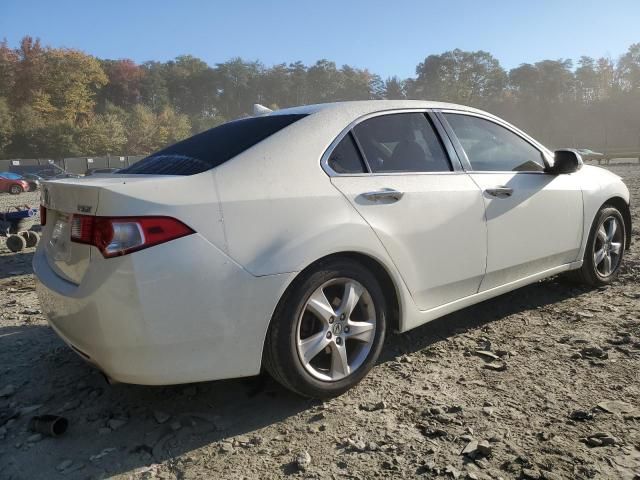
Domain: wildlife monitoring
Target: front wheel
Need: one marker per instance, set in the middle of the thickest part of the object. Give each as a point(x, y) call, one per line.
point(15, 189)
point(605, 249)
point(328, 330)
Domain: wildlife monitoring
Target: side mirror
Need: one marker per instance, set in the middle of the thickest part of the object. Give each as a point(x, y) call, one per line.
point(566, 160)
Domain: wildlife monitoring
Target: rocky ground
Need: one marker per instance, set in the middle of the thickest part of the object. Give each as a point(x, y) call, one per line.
point(539, 383)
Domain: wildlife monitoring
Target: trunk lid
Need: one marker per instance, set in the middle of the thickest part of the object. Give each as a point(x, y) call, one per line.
point(62, 199)
point(184, 198)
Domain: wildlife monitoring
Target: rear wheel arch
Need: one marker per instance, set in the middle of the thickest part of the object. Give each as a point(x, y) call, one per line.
point(374, 266)
point(281, 356)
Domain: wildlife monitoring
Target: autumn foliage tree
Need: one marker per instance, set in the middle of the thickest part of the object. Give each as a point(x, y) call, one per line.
point(57, 102)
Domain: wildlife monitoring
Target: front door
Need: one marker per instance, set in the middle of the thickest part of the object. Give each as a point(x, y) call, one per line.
point(534, 219)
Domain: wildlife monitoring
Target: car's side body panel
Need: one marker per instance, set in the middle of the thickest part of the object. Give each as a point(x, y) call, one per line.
point(537, 227)
point(598, 186)
point(158, 318)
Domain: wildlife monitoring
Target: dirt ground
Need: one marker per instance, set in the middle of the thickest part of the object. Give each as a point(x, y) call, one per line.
point(539, 383)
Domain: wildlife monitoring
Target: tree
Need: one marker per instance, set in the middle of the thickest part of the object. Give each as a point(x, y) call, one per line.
point(192, 85)
point(299, 87)
point(29, 73)
point(141, 126)
point(153, 86)
point(171, 128)
point(276, 86)
point(238, 87)
point(124, 85)
point(629, 69)
point(394, 89)
point(353, 84)
point(6, 125)
point(323, 81)
point(8, 69)
point(72, 82)
point(556, 81)
point(472, 78)
point(148, 132)
point(104, 134)
point(62, 102)
point(605, 70)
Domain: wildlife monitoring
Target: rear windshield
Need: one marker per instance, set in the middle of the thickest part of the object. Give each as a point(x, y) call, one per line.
point(209, 149)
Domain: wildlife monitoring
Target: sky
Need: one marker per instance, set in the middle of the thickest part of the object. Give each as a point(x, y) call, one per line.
point(388, 37)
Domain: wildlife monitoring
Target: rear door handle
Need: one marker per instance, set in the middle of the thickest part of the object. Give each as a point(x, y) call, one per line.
point(383, 194)
point(500, 192)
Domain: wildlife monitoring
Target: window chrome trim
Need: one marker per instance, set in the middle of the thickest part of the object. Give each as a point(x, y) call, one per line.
point(324, 159)
point(545, 153)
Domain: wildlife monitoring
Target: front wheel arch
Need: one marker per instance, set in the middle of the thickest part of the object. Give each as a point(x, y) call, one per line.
point(623, 207)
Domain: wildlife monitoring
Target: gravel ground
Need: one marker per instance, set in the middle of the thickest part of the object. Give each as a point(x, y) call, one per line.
point(539, 383)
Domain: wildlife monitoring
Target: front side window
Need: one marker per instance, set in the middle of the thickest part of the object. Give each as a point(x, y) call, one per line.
point(345, 158)
point(491, 147)
point(401, 142)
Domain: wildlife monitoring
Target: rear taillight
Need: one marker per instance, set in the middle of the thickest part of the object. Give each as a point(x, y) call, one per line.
point(115, 236)
point(43, 215)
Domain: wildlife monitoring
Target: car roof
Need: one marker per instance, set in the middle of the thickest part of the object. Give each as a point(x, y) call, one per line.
point(364, 107)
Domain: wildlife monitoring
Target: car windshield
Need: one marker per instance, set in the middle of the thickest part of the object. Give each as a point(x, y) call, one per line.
point(211, 148)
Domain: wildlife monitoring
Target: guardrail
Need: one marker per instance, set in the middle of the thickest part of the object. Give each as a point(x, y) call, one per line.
point(626, 156)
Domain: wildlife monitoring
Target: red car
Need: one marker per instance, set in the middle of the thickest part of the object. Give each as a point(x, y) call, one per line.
point(9, 183)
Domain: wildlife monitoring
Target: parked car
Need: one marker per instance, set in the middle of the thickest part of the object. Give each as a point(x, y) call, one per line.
point(297, 240)
point(33, 180)
point(93, 171)
point(586, 153)
point(13, 183)
point(48, 172)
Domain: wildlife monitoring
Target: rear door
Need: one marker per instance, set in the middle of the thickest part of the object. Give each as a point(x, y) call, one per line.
point(534, 219)
point(398, 173)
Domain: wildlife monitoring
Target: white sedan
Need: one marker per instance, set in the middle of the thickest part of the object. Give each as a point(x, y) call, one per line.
point(297, 239)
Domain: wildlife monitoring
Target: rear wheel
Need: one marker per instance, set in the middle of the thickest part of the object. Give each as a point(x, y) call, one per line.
point(328, 330)
point(605, 249)
point(15, 189)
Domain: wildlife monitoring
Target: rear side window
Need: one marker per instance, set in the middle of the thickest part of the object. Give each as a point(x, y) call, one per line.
point(209, 149)
point(345, 158)
point(401, 142)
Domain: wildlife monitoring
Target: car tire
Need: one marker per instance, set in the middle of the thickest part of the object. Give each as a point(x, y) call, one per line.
point(31, 238)
point(353, 342)
point(16, 243)
point(594, 271)
point(15, 189)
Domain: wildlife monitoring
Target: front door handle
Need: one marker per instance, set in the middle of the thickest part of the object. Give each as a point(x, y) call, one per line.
point(500, 192)
point(384, 194)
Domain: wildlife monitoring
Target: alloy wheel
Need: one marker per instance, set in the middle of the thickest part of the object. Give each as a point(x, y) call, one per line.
point(336, 329)
point(607, 247)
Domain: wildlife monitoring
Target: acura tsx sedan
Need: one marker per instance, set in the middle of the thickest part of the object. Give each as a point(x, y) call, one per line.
point(294, 241)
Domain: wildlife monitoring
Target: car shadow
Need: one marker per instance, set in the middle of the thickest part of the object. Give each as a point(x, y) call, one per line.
point(16, 264)
point(161, 423)
point(542, 293)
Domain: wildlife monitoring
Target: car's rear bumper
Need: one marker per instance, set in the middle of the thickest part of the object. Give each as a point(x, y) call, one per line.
point(175, 313)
